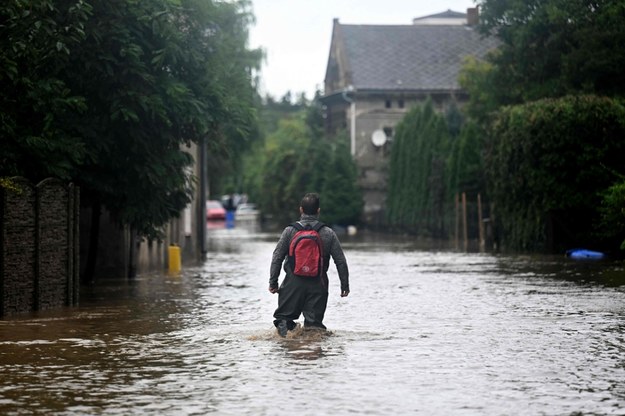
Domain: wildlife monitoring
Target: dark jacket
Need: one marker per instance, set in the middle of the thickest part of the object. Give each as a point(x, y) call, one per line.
point(331, 248)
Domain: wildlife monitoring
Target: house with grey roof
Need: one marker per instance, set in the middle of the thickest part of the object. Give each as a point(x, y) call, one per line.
point(375, 73)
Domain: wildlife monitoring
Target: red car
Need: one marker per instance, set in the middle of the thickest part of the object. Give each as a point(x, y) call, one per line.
point(215, 211)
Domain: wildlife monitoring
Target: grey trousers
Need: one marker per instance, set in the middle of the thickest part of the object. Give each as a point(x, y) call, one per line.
point(302, 295)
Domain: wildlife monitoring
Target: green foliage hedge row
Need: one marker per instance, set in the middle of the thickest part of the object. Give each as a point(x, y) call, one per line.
point(550, 158)
point(612, 212)
point(416, 192)
point(435, 155)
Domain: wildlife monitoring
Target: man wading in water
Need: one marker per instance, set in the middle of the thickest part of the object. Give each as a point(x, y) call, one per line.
point(306, 246)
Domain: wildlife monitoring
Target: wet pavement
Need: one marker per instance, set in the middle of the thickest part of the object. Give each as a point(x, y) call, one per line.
point(424, 331)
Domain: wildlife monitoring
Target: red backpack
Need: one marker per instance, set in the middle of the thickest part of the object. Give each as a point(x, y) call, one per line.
point(306, 250)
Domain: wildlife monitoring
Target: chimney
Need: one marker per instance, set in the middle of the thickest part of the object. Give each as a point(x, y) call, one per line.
point(473, 16)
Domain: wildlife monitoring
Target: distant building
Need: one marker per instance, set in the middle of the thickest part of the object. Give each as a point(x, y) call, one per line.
point(375, 73)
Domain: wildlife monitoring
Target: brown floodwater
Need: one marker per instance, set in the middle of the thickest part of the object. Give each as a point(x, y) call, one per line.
point(425, 330)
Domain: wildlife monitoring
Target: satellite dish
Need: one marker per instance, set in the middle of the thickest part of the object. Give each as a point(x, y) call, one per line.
point(378, 138)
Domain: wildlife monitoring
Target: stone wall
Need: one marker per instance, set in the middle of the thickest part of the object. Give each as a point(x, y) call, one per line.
point(38, 246)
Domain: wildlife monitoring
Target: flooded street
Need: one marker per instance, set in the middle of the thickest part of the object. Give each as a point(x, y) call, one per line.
point(429, 332)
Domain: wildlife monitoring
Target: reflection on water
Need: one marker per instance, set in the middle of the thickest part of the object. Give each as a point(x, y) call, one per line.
point(424, 331)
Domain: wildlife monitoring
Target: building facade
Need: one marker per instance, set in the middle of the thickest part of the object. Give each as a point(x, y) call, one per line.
point(376, 73)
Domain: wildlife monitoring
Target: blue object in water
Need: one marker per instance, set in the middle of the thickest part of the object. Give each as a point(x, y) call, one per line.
point(229, 219)
point(582, 253)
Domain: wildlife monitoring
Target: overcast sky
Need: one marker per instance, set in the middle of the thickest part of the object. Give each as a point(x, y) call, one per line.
point(296, 34)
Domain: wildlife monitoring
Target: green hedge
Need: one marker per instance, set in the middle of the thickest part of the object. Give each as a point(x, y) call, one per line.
point(547, 161)
point(611, 224)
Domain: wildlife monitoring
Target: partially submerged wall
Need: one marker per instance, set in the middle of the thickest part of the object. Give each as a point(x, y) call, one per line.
point(38, 246)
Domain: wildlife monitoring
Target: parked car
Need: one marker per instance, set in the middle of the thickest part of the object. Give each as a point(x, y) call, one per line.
point(246, 211)
point(215, 211)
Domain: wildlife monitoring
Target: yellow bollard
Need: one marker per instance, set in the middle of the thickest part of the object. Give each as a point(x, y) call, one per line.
point(173, 252)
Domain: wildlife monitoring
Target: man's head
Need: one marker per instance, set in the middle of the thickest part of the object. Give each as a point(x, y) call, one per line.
point(310, 204)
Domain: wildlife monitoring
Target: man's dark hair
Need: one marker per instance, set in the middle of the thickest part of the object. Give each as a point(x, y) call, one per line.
point(310, 203)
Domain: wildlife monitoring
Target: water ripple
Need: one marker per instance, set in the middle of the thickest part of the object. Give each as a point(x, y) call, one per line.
point(424, 331)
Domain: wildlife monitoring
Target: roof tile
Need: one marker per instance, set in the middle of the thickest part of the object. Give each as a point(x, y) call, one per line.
point(410, 57)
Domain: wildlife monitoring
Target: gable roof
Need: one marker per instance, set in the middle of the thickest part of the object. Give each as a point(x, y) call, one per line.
point(406, 57)
point(446, 15)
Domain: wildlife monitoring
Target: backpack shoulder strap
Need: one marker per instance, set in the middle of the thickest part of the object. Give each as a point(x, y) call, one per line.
point(297, 226)
point(318, 226)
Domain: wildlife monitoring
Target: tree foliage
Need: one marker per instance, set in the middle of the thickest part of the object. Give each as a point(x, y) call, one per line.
point(485, 96)
point(296, 159)
point(342, 199)
point(465, 167)
point(551, 48)
point(418, 172)
point(37, 39)
point(118, 87)
point(287, 169)
point(611, 223)
point(273, 111)
point(546, 160)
